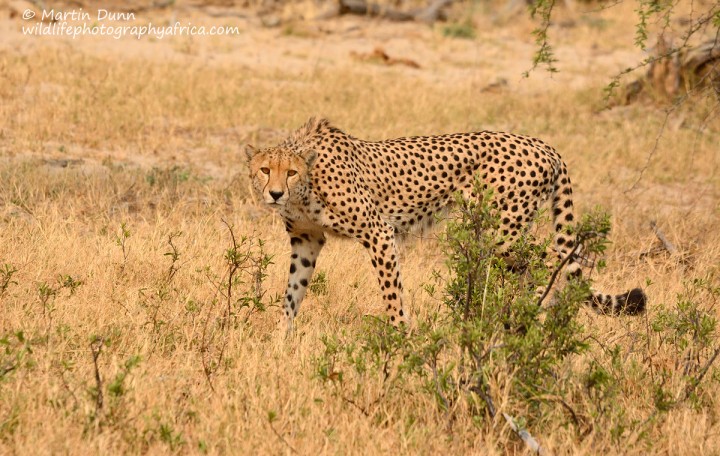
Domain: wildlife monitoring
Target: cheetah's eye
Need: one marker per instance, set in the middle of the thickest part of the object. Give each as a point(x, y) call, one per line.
point(291, 172)
point(265, 170)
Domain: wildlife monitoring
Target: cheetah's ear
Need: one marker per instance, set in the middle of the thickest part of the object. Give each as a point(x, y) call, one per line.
point(250, 151)
point(310, 157)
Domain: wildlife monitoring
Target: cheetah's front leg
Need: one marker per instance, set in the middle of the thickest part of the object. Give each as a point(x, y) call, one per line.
point(305, 250)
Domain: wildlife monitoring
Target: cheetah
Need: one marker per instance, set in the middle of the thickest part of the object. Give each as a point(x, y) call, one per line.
point(322, 180)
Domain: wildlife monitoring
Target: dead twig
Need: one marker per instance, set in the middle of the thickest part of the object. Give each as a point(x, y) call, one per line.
point(689, 389)
point(696, 381)
point(436, 381)
point(524, 435)
point(205, 348)
point(279, 436)
point(174, 255)
point(661, 236)
point(233, 267)
point(560, 267)
point(96, 348)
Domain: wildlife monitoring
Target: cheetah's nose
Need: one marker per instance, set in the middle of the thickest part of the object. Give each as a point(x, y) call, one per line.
point(276, 195)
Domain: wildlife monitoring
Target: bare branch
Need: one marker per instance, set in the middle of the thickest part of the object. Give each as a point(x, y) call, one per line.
point(282, 439)
point(96, 348)
point(661, 236)
point(524, 435)
point(560, 267)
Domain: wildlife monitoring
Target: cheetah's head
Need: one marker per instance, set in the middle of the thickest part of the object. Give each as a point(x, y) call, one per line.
point(279, 174)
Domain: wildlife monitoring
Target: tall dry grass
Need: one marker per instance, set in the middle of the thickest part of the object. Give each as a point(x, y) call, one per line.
point(92, 143)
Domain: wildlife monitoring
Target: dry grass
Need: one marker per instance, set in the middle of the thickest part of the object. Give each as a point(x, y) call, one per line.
point(159, 149)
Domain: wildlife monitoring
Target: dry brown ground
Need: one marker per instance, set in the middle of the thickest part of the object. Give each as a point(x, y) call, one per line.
point(97, 132)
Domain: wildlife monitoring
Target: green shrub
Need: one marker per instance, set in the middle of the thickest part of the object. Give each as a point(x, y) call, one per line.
point(493, 352)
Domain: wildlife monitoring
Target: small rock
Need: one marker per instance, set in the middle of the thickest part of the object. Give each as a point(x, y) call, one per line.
point(270, 21)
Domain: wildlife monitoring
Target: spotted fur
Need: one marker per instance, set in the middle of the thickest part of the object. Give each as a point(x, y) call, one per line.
point(324, 180)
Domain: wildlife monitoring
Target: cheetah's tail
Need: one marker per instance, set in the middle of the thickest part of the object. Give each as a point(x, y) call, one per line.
point(629, 303)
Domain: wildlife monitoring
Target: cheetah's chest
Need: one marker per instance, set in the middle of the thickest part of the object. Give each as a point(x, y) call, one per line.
point(308, 213)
